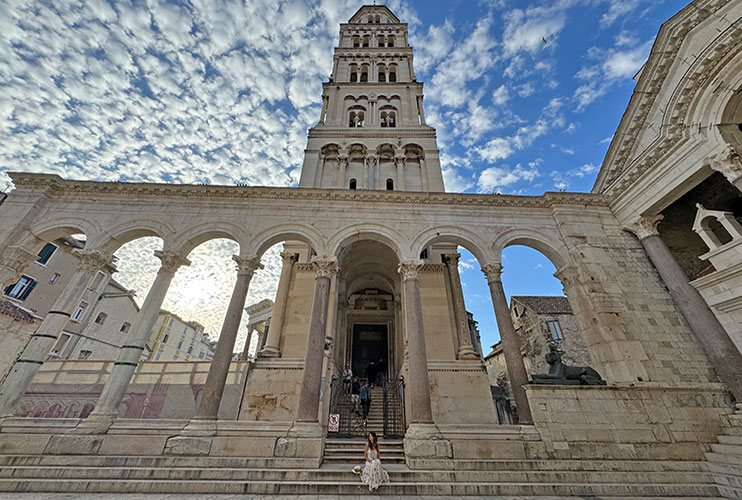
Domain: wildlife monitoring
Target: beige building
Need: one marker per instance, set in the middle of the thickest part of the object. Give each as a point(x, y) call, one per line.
point(370, 271)
point(541, 323)
point(174, 339)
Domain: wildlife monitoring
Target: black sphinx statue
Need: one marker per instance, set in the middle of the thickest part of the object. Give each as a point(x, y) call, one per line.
point(561, 374)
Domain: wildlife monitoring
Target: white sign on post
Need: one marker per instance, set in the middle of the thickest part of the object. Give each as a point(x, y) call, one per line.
point(334, 423)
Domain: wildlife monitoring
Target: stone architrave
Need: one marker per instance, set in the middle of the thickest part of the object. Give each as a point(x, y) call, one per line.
point(273, 338)
point(510, 344)
point(419, 383)
point(466, 350)
point(41, 342)
point(729, 163)
point(723, 354)
point(106, 408)
point(213, 390)
point(311, 381)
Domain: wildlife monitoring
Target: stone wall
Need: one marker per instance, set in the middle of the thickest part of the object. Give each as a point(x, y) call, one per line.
point(158, 390)
point(15, 331)
point(628, 422)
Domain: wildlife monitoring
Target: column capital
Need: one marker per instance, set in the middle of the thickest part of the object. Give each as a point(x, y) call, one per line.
point(644, 227)
point(288, 257)
point(410, 269)
point(171, 261)
point(371, 159)
point(92, 260)
point(728, 162)
point(247, 265)
point(325, 267)
point(568, 275)
point(492, 272)
point(452, 257)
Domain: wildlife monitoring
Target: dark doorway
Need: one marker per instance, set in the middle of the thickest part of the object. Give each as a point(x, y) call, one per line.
point(369, 344)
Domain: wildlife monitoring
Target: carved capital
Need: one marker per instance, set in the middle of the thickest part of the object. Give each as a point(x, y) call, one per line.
point(91, 260)
point(493, 272)
point(644, 227)
point(568, 275)
point(324, 267)
point(171, 261)
point(728, 162)
point(289, 258)
point(247, 265)
point(410, 269)
point(343, 160)
point(371, 159)
point(452, 258)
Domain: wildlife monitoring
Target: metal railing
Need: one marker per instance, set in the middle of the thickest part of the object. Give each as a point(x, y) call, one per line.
point(394, 421)
point(351, 422)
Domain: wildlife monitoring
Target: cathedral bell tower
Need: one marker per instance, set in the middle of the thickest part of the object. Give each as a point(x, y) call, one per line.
point(372, 132)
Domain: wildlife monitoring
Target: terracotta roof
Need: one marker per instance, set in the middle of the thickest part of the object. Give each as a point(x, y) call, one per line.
point(7, 308)
point(544, 305)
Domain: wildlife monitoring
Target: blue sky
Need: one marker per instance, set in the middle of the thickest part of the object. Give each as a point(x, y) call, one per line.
point(525, 96)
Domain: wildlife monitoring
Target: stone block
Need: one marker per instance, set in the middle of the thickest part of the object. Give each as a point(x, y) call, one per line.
point(233, 446)
point(74, 444)
point(31, 444)
point(187, 445)
point(285, 447)
point(118, 444)
point(428, 448)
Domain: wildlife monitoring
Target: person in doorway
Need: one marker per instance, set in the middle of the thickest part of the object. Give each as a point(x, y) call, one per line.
point(347, 379)
point(371, 372)
point(366, 400)
point(356, 395)
point(381, 372)
point(373, 473)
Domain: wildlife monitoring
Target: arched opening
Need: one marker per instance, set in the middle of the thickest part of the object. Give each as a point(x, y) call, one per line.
point(382, 41)
point(392, 72)
point(366, 41)
point(390, 41)
point(353, 184)
point(390, 185)
point(353, 73)
point(388, 117)
point(364, 73)
point(382, 73)
point(356, 117)
point(356, 42)
point(715, 227)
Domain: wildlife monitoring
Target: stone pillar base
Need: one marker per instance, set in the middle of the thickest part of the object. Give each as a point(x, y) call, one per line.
point(188, 445)
point(66, 444)
point(269, 352)
point(424, 441)
point(199, 428)
point(93, 425)
point(468, 352)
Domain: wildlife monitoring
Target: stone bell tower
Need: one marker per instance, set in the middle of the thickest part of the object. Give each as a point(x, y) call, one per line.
point(372, 132)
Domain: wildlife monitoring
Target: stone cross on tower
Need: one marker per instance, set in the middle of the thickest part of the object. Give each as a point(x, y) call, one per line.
point(372, 132)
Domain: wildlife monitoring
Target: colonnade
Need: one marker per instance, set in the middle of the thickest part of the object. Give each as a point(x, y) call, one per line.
point(372, 161)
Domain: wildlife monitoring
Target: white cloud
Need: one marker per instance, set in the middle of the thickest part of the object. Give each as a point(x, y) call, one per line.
point(617, 9)
point(501, 96)
point(495, 178)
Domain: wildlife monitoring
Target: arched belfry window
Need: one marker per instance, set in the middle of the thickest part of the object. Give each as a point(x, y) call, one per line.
point(364, 73)
point(390, 185)
point(366, 41)
point(352, 184)
point(390, 41)
point(392, 72)
point(388, 119)
point(382, 73)
point(353, 73)
point(356, 42)
point(356, 119)
point(382, 41)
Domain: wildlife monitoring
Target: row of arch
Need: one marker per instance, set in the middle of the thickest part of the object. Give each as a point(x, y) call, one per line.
point(405, 246)
point(360, 73)
point(385, 150)
point(357, 117)
point(365, 41)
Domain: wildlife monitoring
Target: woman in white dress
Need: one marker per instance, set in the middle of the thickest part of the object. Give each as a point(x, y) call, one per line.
point(373, 473)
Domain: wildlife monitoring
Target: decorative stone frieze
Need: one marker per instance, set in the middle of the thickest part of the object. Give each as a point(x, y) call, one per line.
point(91, 260)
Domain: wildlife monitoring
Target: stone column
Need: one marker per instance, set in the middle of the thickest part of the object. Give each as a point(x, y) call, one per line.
point(466, 350)
point(510, 344)
point(420, 107)
point(318, 170)
point(312, 377)
point(325, 102)
point(106, 408)
point(728, 162)
point(418, 383)
point(13, 262)
point(211, 396)
point(400, 161)
point(246, 350)
point(723, 354)
point(424, 173)
point(273, 339)
point(342, 165)
point(366, 177)
point(41, 342)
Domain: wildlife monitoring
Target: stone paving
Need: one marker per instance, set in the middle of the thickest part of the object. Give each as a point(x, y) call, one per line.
point(174, 496)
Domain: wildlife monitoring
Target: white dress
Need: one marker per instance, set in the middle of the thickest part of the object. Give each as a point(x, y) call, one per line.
point(373, 473)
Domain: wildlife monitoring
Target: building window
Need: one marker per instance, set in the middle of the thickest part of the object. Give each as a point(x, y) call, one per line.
point(555, 330)
point(171, 322)
point(60, 344)
point(392, 72)
point(46, 253)
point(388, 119)
point(164, 338)
point(424, 254)
point(125, 327)
point(101, 318)
point(201, 355)
point(356, 119)
point(356, 42)
point(175, 358)
point(180, 344)
point(190, 349)
point(21, 289)
point(352, 184)
point(390, 41)
point(54, 278)
point(390, 185)
point(157, 356)
point(79, 312)
point(84, 354)
point(366, 41)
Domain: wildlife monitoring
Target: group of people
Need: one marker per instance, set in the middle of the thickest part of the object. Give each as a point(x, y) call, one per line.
point(361, 394)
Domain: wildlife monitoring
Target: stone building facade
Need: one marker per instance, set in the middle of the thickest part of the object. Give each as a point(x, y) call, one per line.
point(377, 257)
point(174, 339)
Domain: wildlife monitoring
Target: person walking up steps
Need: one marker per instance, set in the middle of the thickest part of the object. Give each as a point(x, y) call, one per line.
point(366, 400)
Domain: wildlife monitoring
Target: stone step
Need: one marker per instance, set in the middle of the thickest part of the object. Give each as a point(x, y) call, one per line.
point(442, 465)
point(725, 468)
point(723, 458)
point(354, 487)
point(340, 474)
point(727, 449)
point(733, 440)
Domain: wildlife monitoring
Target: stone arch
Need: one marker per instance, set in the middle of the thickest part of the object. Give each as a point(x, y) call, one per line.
point(125, 232)
point(368, 231)
point(50, 230)
point(451, 234)
point(286, 232)
point(554, 250)
point(206, 231)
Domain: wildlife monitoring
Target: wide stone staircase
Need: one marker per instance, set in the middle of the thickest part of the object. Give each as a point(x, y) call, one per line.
point(725, 459)
point(168, 474)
